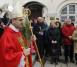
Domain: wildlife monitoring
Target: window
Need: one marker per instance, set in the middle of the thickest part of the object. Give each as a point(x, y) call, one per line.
point(69, 11)
point(63, 18)
point(64, 11)
point(72, 18)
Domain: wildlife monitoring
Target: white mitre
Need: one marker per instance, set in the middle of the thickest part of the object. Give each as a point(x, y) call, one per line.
point(17, 12)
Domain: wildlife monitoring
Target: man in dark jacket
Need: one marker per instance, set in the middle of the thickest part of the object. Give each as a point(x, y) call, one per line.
point(38, 30)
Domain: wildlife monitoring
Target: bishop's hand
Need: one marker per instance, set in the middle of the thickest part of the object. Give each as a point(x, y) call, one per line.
point(26, 51)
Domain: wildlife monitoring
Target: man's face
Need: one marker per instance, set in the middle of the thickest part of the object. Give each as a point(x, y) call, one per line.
point(40, 19)
point(68, 21)
point(18, 22)
point(52, 24)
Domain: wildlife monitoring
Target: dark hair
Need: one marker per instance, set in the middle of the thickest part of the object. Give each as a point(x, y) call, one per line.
point(58, 23)
point(72, 24)
point(5, 19)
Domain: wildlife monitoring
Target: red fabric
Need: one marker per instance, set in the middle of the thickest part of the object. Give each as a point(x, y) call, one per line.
point(10, 49)
point(33, 47)
point(30, 60)
point(67, 31)
point(29, 56)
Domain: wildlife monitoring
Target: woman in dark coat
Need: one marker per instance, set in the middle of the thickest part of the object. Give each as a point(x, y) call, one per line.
point(53, 35)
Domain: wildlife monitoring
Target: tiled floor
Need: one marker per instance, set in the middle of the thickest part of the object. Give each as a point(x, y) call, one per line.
point(53, 65)
point(47, 64)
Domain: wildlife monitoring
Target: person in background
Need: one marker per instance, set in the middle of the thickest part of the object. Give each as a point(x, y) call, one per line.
point(74, 37)
point(34, 22)
point(38, 30)
point(67, 31)
point(5, 21)
point(58, 24)
point(53, 37)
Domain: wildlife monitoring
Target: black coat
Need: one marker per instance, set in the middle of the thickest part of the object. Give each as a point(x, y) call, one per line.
point(53, 34)
point(38, 30)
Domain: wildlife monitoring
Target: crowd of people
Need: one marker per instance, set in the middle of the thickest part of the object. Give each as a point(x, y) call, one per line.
point(50, 41)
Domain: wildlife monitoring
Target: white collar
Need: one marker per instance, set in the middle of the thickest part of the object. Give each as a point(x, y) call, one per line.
point(13, 28)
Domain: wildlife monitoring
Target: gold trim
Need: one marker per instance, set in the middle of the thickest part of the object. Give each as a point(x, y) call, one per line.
point(26, 12)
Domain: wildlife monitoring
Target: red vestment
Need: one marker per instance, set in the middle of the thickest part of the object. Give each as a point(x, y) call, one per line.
point(10, 48)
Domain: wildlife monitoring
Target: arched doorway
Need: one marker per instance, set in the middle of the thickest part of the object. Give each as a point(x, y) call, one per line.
point(36, 9)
